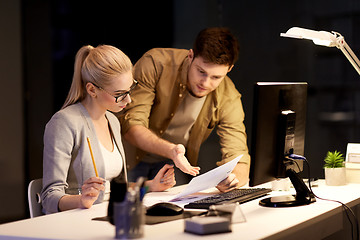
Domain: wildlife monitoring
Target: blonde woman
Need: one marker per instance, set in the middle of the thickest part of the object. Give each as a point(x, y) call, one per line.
point(102, 84)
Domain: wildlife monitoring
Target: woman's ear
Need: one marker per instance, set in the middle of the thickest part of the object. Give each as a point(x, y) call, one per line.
point(230, 68)
point(90, 89)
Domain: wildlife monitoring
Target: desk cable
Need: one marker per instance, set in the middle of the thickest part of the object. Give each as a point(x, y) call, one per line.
point(348, 211)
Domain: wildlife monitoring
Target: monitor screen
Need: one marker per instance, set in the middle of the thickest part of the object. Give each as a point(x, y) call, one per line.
point(278, 130)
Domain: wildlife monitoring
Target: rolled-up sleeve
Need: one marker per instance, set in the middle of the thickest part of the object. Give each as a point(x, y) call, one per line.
point(143, 96)
point(231, 131)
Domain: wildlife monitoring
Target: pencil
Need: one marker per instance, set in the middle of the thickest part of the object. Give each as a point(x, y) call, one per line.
point(92, 157)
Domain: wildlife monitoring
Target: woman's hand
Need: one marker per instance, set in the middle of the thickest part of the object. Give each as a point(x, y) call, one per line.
point(178, 156)
point(163, 180)
point(90, 191)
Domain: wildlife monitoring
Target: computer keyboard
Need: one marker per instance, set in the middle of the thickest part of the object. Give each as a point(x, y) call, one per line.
point(237, 195)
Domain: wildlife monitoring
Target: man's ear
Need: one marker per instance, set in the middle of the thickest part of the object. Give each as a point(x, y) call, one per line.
point(230, 68)
point(191, 55)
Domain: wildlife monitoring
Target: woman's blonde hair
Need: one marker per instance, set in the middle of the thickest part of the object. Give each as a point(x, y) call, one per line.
point(98, 65)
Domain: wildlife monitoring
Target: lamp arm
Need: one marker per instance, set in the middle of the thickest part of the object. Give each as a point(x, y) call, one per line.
point(346, 50)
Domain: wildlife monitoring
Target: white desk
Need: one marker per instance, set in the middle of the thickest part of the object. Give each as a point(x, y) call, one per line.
point(314, 221)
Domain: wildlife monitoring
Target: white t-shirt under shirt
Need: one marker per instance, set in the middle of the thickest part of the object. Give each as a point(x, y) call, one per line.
point(113, 166)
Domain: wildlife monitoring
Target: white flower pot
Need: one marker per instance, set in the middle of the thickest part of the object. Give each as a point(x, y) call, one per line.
point(335, 176)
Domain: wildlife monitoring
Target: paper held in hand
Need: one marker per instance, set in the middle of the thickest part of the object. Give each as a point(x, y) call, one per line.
point(209, 179)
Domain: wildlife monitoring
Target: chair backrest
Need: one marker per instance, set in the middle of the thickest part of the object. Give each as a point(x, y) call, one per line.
point(34, 199)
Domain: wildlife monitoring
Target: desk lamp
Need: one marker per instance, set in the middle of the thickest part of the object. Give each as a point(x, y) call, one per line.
point(327, 39)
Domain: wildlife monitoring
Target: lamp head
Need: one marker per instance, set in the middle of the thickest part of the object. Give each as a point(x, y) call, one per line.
point(327, 39)
point(321, 38)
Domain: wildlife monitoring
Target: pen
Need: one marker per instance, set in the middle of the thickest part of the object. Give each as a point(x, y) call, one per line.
point(92, 157)
point(143, 191)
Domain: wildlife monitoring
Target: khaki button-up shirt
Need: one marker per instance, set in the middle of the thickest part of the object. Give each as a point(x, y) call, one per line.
point(162, 77)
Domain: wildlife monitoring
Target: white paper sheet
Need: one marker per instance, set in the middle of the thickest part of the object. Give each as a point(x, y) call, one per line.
point(209, 179)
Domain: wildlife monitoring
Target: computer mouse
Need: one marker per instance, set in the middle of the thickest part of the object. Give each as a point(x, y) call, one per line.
point(164, 209)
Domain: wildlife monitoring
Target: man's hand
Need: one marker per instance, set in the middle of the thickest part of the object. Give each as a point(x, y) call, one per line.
point(178, 156)
point(239, 177)
point(146, 140)
point(228, 184)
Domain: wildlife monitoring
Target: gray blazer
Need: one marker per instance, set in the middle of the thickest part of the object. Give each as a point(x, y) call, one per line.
point(67, 160)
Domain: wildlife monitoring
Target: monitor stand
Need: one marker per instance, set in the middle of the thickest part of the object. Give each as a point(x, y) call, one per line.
point(303, 195)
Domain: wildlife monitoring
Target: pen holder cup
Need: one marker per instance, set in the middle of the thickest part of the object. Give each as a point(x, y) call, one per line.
point(129, 219)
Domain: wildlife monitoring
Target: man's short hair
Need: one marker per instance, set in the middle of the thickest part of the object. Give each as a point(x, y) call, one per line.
point(217, 45)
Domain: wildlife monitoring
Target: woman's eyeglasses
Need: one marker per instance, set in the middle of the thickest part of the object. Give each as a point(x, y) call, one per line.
point(121, 96)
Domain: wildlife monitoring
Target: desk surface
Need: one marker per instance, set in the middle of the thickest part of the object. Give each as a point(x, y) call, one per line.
point(317, 220)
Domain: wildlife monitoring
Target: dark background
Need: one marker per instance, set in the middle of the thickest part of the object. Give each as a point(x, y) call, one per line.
point(39, 39)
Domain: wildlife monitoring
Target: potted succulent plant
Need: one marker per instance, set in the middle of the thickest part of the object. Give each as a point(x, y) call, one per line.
point(335, 174)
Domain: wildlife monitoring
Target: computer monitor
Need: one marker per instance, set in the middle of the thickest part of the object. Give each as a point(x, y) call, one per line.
point(278, 132)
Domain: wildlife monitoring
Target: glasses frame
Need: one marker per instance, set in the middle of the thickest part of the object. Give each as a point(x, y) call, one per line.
point(121, 96)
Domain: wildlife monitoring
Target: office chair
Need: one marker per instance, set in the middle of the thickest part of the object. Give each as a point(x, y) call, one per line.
point(34, 199)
